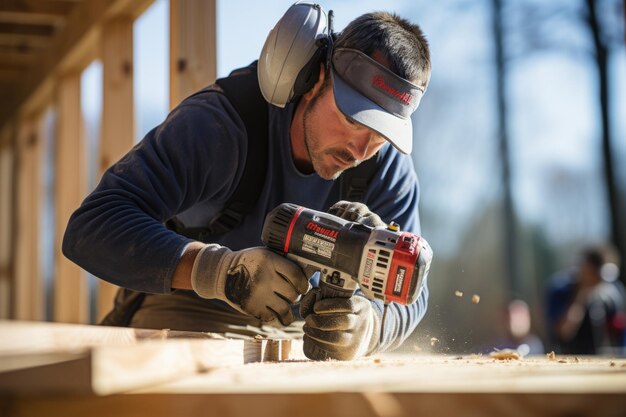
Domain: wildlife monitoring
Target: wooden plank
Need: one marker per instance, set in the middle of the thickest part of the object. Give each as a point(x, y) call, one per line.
point(117, 113)
point(105, 360)
point(29, 300)
point(193, 47)
point(70, 286)
point(400, 373)
point(327, 404)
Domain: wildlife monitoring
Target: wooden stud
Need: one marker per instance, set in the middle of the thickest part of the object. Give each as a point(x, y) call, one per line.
point(29, 288)
point(70, 292)
point(117, 112)
point(192, 47)
point(6, 226)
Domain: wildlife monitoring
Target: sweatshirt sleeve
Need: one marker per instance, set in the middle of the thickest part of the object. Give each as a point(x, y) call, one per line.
point(394, 196)
point(118, 234)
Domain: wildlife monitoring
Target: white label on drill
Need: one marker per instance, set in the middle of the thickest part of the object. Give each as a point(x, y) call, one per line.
point(317, 246)
point(397, 288)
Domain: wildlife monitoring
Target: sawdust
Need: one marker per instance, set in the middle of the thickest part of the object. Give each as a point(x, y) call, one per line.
point(475, 298)
point(551, 356)
point(458, 293)
point(505, 354)
point(377, 360)
point(434, 341)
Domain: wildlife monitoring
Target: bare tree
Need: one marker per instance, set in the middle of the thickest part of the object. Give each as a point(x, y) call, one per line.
point(601, 56)
point(510, 233)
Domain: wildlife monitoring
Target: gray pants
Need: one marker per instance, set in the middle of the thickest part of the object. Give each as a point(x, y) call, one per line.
point(182, 310)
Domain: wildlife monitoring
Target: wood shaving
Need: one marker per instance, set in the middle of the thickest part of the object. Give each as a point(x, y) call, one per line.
point(611, 364)
point(376, 360)
point(576, 359)
point(562, 361)
point(505, 354)
point(475, 298)
point(551, 356)
point(433, 341)
point(458, 293)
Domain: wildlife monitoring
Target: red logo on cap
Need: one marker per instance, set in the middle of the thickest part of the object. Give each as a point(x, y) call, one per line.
point(379, 82)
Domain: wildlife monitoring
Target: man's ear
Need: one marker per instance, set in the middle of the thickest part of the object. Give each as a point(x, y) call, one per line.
point(317, 86)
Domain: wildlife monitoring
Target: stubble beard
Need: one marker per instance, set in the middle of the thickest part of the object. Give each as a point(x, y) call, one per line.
point(328, 171)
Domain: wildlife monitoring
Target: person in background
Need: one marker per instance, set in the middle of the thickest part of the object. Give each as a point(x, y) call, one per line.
point(586, 305)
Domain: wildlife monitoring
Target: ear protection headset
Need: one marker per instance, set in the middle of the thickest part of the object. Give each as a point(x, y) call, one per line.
point(290, 60)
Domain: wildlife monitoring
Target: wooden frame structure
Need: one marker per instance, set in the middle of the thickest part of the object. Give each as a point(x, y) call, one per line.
point(44, 47)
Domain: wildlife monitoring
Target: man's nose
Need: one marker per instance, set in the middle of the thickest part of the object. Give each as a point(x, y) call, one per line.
point(359, 144)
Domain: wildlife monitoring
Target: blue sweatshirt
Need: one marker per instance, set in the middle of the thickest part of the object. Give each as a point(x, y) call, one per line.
point(188, 167)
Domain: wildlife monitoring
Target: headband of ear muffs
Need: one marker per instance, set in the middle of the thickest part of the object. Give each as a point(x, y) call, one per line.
point(290, 60)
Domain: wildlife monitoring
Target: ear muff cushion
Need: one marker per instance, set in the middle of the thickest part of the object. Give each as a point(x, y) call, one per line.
point(310, 73)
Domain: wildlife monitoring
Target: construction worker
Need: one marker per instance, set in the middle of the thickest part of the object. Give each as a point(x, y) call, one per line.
point(359, 91)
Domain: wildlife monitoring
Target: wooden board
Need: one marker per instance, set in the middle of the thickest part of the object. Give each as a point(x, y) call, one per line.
point(29, 299)
point(192, 47)
point(105, 360)
point(118, 118)
point(70, 286)
point(163, 373)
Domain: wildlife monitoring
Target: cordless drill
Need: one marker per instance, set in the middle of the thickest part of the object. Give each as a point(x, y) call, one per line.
point(387, 264)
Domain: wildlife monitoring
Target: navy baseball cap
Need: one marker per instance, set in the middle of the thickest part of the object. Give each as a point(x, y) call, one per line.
point(374, 96)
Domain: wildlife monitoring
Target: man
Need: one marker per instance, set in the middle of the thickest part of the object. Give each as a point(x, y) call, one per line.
point(187, 168)
point(586, 306)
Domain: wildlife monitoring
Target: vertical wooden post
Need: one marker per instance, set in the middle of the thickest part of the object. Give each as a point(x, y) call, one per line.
point(29, 300)
point(117, 112)
point(192, 47)
point(71, 293)
point(7, 172)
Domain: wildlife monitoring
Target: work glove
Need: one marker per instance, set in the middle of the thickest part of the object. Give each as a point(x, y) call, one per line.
point(356, 212)
point(254, 281)
point(339, 328)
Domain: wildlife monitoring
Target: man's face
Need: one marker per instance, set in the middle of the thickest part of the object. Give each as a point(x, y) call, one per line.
point(334, 142)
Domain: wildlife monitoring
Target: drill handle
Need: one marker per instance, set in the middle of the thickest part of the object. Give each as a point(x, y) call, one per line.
point(333, 283)
point(331, 291)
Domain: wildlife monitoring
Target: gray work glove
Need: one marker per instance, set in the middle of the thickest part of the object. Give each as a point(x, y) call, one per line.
point(339, 328)
point(356, 212)
point(255, 281)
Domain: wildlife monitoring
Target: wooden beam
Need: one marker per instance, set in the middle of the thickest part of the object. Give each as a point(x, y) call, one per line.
point(68, 48)
point(11, 75)
point(6, 226)
point(117, 113)
point(70, 286)
point(29, 288)
point(193, 48)
point(20, 29)
point(31, 18)
point(12, 57)
point(48, 7)
point(24, 41)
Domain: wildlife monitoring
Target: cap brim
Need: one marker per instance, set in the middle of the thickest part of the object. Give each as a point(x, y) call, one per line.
point(397, 130)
